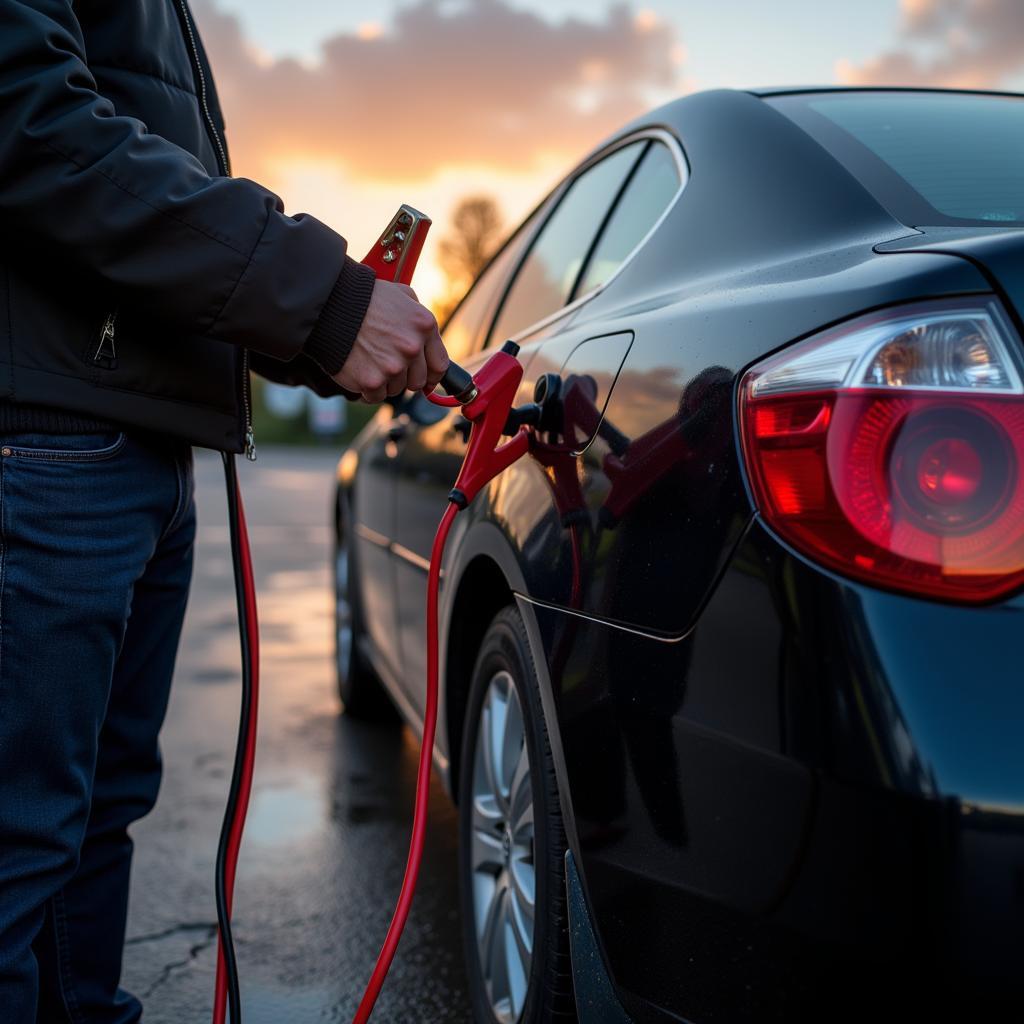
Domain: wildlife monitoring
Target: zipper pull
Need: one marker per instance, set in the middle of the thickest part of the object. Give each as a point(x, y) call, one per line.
point(250, 444)
point(105, 351)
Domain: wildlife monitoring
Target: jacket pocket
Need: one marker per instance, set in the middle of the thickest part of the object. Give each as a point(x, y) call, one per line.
point(63, 447)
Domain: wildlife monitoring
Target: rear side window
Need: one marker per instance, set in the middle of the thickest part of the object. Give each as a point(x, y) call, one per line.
point(650, 191)
point(548, 274)
point(931, 158)
point(462, 333)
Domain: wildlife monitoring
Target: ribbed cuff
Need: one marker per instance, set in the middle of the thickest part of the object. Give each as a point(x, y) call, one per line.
point(335, 332)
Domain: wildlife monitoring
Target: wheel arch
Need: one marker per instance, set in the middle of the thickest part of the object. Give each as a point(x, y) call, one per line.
point(483, 591)
point(487, 569)
point(489, 576)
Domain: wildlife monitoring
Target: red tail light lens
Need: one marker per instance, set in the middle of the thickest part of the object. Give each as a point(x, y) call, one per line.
point(891, 449)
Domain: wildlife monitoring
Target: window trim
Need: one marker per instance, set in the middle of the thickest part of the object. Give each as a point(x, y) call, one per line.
point(554, 201)
point(542, 216)
point(607, 219)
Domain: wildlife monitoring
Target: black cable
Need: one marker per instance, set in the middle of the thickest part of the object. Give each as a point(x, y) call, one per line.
point(223, 916)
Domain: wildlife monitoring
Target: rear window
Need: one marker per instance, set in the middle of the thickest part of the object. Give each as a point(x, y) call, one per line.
point(930, 158)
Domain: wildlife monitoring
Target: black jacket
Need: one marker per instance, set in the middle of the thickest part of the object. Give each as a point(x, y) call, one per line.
point(134, 273)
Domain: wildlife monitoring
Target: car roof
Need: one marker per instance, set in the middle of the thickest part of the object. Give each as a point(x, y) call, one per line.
point(674, 113)
point(789, 90)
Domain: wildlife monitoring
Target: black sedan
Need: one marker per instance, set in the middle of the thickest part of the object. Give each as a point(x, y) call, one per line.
point(732, 687)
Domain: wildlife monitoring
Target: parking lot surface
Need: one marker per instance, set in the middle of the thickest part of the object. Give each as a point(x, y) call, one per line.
point(332, 801)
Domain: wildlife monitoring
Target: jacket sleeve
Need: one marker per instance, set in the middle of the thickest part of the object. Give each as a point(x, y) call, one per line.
point(216, 256)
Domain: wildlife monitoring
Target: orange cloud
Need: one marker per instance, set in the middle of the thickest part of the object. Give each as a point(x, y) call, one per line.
point(486, 83)
point(959, 43)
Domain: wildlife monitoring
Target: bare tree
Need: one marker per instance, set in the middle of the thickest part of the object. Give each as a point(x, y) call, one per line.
point(477, 228)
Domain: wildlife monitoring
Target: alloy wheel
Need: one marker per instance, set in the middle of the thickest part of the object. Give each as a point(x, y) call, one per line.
point(502, 855)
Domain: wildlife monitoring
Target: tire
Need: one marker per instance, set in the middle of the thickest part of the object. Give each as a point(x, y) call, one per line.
point(511, 832)
point(361, 692)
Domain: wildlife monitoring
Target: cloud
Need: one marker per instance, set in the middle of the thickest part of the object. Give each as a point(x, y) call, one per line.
point(960, 43)
point(480, 82)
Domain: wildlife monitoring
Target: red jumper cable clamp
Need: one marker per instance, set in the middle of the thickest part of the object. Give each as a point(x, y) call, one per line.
point(395, 254)
point(488, 411)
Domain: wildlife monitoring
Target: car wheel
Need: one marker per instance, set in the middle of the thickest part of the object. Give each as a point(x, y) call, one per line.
point(361, 692)
point(511, 841)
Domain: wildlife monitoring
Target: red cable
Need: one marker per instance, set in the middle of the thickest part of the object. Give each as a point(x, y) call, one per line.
point(419, 822)
point(448, 401)
point(245, 786)
point(419, 826)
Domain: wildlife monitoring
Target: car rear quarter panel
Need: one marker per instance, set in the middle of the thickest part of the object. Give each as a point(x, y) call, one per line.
point(659, 535)
point(690, 808)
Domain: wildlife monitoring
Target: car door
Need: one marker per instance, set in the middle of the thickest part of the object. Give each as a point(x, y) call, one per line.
point(373, 512)
point(528, 308)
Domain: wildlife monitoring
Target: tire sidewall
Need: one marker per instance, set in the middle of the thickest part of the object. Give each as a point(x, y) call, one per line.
point(504, 648)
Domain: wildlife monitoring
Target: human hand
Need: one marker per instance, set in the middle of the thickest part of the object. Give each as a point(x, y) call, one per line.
point(397, 348)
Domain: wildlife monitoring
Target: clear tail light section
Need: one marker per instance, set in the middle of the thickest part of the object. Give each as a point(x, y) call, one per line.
point(891, 448)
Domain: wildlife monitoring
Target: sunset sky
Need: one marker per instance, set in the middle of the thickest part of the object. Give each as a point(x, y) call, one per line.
point(347, 109)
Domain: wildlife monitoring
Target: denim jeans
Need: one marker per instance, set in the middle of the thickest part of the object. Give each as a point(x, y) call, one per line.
point(96, 536)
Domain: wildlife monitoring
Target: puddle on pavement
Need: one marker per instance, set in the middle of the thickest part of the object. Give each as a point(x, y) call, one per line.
point(213, 566)
point(317, 579)
point(361, 814)
point(265, 1005)
point(285, 813)
point(216, 675)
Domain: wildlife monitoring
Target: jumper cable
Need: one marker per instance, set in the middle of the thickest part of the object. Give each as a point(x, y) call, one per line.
point(490, 395)
point(486, 401)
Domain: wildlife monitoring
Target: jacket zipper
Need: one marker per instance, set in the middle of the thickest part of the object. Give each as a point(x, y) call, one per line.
point(201, 75)
point(197, 64)
point(106, 353)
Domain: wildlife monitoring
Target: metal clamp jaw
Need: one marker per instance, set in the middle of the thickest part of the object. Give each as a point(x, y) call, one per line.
point(398, 249)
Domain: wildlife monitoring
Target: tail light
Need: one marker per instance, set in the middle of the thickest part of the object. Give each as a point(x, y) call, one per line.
point(891, 448)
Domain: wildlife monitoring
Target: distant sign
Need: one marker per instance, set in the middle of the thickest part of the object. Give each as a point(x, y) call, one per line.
point(283, 401)
point(327, 416)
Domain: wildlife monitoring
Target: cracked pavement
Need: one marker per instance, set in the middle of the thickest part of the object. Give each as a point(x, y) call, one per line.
point(329, 820)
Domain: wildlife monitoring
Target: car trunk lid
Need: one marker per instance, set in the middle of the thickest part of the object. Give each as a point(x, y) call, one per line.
point(997, 252)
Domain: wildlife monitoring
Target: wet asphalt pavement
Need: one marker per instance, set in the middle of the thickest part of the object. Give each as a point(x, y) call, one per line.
point(329, 821)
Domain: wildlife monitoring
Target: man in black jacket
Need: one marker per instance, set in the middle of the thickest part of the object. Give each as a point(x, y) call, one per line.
point(138, 284)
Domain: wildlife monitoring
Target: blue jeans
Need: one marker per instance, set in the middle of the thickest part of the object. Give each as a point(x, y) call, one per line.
point(96, 537)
